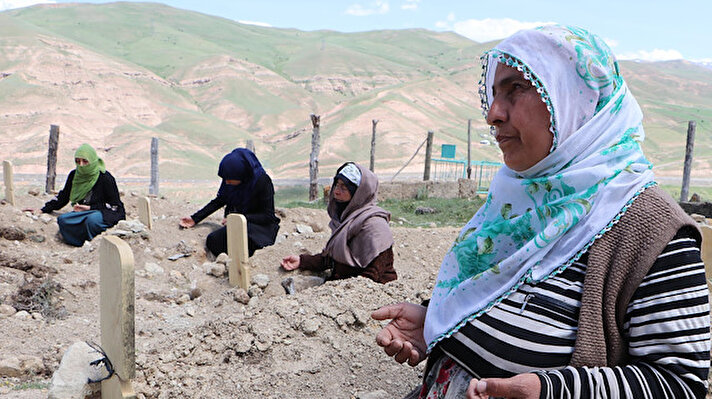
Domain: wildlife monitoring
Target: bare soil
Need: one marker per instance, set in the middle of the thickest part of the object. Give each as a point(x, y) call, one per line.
point(317, 343)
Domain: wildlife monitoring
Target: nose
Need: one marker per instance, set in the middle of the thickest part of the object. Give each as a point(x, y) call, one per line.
point(497, 113)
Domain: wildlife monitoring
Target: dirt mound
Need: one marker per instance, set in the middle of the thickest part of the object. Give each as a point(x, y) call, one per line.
point(317, 343)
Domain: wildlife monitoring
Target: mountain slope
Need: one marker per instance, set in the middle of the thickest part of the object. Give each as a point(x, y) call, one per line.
point(117, 74)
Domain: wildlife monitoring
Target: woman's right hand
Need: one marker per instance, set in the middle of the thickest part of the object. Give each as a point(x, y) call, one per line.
point(402, 338)
point(186, 222)
point(290, 262)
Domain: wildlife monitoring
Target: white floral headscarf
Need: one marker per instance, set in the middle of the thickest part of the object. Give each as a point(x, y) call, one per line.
point(537, 222)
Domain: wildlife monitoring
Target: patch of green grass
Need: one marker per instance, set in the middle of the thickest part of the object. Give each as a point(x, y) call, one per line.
point(449, 211)
point(705, 193)
point(297, 197)
point(30, 385)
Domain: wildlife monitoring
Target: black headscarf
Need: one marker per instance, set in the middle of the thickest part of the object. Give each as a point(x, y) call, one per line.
point(241, 164)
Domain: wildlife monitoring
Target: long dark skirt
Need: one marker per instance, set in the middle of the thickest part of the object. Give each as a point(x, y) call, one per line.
point(77, 227)
point(217, 242)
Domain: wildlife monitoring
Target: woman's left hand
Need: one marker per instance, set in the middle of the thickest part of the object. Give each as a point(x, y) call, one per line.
point(522, 386)
point(80, 208)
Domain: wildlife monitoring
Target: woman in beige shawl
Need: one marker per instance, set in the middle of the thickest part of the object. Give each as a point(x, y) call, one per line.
point(361, 241)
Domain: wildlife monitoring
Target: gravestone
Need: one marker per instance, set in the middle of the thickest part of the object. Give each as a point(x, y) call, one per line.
point(9, 185)
point(117, 316)
point(144, 212)
point(238, 269)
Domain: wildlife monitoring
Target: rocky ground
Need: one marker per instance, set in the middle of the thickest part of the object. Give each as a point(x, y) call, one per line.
point(196, 336)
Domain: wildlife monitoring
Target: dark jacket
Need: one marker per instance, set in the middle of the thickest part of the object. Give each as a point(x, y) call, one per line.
point(262, 224)
point(379, 270)
point(103, 197)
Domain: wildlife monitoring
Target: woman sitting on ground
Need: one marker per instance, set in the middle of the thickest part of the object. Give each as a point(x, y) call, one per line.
point(246, 189)
point(92, 192)
point(578, 277)
point(361, 241)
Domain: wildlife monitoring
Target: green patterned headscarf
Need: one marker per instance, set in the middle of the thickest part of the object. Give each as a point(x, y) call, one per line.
point(537, 222)
point(85, 176)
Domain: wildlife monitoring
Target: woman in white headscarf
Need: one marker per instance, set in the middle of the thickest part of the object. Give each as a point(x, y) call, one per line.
point(578, 277)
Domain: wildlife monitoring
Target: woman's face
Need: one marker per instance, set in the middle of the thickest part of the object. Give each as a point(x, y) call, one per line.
point(81, 162)
point(520, 118)
point(341, 192)
point(231, 182)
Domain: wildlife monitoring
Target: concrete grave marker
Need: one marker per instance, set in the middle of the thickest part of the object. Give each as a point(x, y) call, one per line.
point(117, 316)
point(238, 269)
point(9, 185)
point(144, 212)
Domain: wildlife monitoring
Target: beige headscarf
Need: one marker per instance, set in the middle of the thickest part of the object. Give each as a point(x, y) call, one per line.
point(361, 232)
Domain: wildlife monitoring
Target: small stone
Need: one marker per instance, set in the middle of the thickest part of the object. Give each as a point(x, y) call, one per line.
point(37, 238)
point(23, 315)
point(33, 192)
point(222, 258)
point(304, 229)
point(175, 275)
point(240, 295)
point(46, 219)
point(12, 233)
point(195, 292)
point(379, 394)
point(261, 280)
point(217, 269)
point(10, 367)
point(153, 268)
point(37, 316)
point(243, 343)
point(310, 326)
point(432, 225)
point(254, 301)
point(698, 218)
point(183, 299)
point(31, 365)
point(7, 310)
point(425, 210)
point(254, 291)
point(263, 346)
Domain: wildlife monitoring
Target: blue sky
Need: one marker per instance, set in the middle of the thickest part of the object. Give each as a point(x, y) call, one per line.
point(635, 29)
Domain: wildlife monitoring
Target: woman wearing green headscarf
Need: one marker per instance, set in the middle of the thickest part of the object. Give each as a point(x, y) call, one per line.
point(92, 192)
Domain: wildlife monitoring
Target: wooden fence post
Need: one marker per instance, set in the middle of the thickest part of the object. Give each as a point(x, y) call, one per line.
point(116, 304)
point(52, 158)
point(469, 146)
point(237, 251)
point(144, 212)
point(314, 158)
point(428, 155)
point(688, 161)
point(250, 145)
point(9, 184)
point(372, 164)
point(153, 187)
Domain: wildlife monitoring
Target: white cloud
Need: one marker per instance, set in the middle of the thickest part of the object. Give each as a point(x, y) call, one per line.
point(485, 30)
point(378, 7)
point(264, 24)
point(10, 4)
point(654, 55)
point(410, 5)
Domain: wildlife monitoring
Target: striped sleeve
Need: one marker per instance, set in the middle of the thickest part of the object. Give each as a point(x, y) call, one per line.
point(668, 330)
